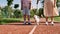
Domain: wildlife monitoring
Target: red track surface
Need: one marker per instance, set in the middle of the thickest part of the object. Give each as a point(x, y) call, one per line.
point(44, 29)
point(15, 29)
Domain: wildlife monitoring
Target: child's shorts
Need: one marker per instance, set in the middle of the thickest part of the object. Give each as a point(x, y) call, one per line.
point(26, 11)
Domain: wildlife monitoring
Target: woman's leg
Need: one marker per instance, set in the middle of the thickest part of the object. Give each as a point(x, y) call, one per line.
point(46, 20)
point(52, 19)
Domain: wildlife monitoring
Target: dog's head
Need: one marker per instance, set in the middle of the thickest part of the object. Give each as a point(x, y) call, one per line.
point(36, 18)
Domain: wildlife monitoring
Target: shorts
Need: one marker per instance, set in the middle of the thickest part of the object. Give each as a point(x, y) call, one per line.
point(26, 11)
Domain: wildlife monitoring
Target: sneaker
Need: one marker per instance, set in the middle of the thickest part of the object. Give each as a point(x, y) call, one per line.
point(52, 23)
point(46, 23)
point(29, 23)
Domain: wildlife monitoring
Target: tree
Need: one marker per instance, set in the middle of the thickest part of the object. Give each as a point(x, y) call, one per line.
point(33, 12)
point(6, 12)
point(9, 2)
point(16, 6)
point(58, 1)
point(0, 12)
point(38, 1)
point(17, 12)
point(0, 8)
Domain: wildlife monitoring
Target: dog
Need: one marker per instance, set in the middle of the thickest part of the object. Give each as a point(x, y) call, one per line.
point(37, 19)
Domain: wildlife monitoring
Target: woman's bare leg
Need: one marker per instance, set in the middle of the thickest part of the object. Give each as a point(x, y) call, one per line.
point(52, 19)
point(46, 20)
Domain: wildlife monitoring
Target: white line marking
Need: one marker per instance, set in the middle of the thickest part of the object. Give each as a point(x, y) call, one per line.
point(33, 29)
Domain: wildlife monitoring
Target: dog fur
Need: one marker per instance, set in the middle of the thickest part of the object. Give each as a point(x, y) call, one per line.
point(37, 19)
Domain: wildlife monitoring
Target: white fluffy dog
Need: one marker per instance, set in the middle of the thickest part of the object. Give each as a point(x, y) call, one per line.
point(37, 19)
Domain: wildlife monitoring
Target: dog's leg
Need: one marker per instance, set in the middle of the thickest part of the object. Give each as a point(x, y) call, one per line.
point(37, 22)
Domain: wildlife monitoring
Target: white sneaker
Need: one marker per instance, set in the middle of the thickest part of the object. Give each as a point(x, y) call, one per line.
point(52, 23)
point(46, 23)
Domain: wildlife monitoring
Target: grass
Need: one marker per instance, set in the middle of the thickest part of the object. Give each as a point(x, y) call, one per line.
point(57, 19)
point(10, 20)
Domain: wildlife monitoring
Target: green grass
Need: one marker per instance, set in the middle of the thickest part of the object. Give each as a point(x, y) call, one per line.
point(57, 19)
point(10, 20)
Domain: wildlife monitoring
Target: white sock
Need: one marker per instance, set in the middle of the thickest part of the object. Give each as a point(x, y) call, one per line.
point(47, 23)
point(52, 22)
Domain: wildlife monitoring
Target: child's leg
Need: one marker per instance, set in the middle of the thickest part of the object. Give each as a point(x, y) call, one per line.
point(28, 15)
point(24, 15)
point(29, 19)
point(24, 19)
